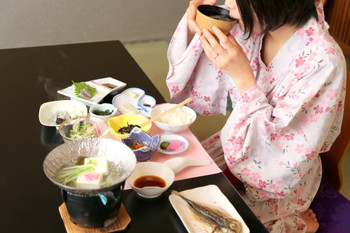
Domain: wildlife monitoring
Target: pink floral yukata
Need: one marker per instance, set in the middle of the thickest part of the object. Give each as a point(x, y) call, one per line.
point(276, 130)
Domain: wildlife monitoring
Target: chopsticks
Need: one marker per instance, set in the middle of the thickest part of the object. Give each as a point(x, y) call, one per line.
point(166, 112)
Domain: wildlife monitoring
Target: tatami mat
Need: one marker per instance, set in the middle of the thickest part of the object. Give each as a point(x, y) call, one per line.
point(151, 57)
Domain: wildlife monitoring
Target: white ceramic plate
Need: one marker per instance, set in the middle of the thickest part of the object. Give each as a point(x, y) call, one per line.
point(209, 195)
point(102, 90)
point(48, 110)
point(169, 138)
point(113, 84)
point(129, 101)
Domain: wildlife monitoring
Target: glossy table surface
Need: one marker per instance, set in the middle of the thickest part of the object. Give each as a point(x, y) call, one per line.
point(32, 76)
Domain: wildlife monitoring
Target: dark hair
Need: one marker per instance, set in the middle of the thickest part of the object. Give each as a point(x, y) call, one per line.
point(272, 14)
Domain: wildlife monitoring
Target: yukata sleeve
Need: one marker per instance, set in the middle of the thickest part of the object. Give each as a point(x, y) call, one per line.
point(192, 74)
point(271, 147)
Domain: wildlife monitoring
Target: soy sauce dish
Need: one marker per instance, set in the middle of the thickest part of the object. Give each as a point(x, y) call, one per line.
point(151, 179)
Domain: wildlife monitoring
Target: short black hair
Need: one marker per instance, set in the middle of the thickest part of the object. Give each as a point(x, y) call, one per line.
point(272, 14)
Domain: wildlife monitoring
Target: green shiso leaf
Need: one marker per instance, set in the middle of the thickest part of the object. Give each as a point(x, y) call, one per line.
point(79, 86)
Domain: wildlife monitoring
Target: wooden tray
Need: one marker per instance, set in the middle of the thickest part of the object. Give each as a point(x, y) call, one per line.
point(123, 220)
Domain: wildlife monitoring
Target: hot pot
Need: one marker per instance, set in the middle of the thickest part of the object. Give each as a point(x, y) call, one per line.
point(92, 207)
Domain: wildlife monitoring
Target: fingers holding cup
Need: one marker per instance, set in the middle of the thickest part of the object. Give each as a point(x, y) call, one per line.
point(211, 45)
point(192, 14)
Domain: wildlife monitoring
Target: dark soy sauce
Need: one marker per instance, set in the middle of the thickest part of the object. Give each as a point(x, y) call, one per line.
point(149, 180)
point(109, 85)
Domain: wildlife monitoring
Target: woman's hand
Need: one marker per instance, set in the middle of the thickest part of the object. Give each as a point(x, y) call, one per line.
point(229, 57)
point(191, 14)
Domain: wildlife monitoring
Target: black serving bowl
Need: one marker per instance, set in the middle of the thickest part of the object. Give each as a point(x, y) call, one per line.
point(92, 207)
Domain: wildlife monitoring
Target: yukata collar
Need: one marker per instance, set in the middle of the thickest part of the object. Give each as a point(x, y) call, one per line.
point(275, 72)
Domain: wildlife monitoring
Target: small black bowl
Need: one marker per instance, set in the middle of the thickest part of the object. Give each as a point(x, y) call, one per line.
point(216, 12)
point(209, 16)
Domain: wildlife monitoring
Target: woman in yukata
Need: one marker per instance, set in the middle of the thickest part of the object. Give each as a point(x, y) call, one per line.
point(285, 77)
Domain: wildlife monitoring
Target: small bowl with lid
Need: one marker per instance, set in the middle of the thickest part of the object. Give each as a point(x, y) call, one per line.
point(151, 179)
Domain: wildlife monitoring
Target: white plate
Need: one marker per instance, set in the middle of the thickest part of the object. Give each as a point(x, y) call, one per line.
point(48, 110)
point(132, 101)
point(113, 84)
point(169, 138)
point(209, 195)
point(102, 91)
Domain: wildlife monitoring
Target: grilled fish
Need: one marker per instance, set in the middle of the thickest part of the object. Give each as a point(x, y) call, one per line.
point(210, 219)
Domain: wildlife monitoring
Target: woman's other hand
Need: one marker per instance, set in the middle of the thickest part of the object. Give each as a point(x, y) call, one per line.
point(229, 57)
point(191, 14)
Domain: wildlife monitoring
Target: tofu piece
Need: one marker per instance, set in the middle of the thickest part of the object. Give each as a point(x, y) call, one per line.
point(101, 164)
point(90, 180)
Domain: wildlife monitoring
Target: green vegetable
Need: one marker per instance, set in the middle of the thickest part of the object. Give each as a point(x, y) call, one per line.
point(164, 145)
point(82, 130)
point(68, 175)
point(102, 113)
point(84, 90)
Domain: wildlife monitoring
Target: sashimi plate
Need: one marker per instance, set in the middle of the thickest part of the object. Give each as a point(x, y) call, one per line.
point(97, 84)
point(209, 195)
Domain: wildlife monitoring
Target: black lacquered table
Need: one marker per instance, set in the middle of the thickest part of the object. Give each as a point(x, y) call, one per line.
point(32, 76)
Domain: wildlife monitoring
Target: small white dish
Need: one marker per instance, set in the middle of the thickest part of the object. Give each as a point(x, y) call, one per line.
point(209, 195)
point(149, 171)
point(113, 84)
point(134, 101)
point(101, 91)
point(173, 138)
point(49, 112)
point(96, 109)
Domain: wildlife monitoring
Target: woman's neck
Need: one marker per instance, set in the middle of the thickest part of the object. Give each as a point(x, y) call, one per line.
point(274, 40)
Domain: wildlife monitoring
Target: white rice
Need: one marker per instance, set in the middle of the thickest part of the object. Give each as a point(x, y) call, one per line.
point(178, 117)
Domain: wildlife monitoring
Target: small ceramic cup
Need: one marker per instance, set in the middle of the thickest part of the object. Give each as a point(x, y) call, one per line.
point(148, 171)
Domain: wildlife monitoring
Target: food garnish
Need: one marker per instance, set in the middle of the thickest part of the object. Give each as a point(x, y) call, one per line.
point(164, 145)
point(127, 129)
point(135, 145)
point(84, 90)
point(102, 113)
point(173, 145)
point(85, 172)
point(211, 219)
point(82, 130)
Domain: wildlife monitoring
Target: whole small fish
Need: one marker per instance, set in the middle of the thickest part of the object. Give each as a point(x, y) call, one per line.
point(212, 220)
